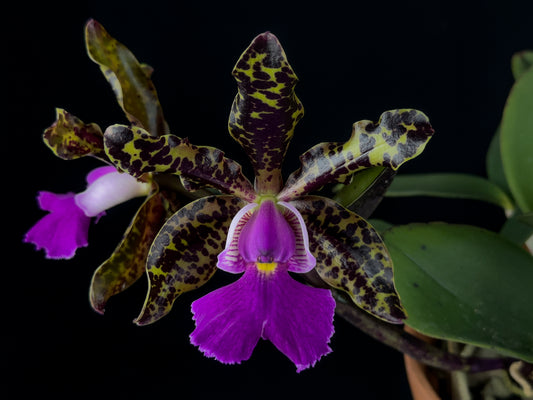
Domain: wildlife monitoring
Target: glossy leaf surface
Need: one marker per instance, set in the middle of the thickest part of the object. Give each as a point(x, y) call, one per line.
point(517, 141)
point(128, 261)
point(70, 138)
point(184, 254)
point(450, 185)
point(135, 151)
point(265, 111)
point(351, 256)
point(399, 136)
point(465, 284)
point(129, 79)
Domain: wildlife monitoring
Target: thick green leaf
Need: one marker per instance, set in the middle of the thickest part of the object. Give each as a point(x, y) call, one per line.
point(351, 256)
point(133, 150)
point(70, 138)
point(128, 261)
point(380, 225)
point(399, 136)
point(465, 284)
point(450, 185)
point(521, 62)
point(494, 165)
point(266, 110)
point(184, 254)
point(517, 141)
point(129, 79)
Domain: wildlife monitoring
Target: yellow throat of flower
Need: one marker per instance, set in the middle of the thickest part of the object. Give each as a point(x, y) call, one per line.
point(266, 267)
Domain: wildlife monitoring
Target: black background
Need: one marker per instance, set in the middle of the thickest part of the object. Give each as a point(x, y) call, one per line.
point(354, 61)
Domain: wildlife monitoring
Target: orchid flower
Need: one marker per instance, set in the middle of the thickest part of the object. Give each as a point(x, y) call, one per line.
point(65, 228)
point(61, 232)
point(274, 234)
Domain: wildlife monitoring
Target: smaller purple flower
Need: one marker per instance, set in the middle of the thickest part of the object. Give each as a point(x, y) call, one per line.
point(266, 242)
point(65, 228)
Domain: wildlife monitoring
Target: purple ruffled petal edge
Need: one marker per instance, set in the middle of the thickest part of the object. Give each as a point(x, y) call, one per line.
point(296, 318)
point(61, 232)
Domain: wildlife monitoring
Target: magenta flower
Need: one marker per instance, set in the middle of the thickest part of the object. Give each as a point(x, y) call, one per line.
point(265, 242)
point(274, 234)
point(66, 227)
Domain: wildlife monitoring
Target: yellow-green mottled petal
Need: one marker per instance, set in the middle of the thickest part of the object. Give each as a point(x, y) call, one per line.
point(266, 110)
point(399, 136)
point(129, 79)
point(184, 254)
point(133, 150)
point(128, 261)
point(70, 138)
point(351, 256)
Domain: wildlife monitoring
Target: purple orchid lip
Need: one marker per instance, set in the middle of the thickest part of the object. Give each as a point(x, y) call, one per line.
point(265, 241)
point(63, 230)
point(108, 190)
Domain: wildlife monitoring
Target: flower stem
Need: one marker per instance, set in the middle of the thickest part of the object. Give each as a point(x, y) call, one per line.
point(395, 337)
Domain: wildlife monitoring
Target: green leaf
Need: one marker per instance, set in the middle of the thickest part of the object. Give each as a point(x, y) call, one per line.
point(450, 185)
point(266, 110)
point(494, 165)
point(521, 62)
point(128, 261)
point(399, 136)
point(380, 225)
point(70, 138)
point(517, 141)
point(132, 149)
point(518, 228)
point(184, 254)
point(129, 79)
point(351, 256)
point(465, 284)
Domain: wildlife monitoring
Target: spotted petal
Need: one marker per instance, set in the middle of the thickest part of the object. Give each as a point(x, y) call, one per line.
point(399, 136)
point(128, 261)
point(265, 110)
point(351, 256)
point(129, 79)
point(184, 253)
point(133, 150)
point(70, 138)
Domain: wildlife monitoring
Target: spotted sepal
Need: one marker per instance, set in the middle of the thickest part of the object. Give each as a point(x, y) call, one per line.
point(129, 79)
point(399, 136)
point(70, 138)
point(265, 110)
point(127, 263)
point(351, 256)
point(133, 150)
point(183, 256)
